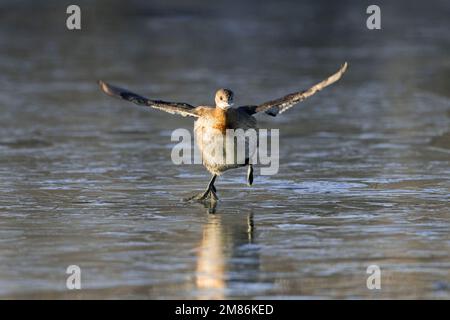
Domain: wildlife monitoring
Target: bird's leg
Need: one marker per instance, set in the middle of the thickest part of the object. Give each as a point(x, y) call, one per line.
point(250, 175)
point(209, 192)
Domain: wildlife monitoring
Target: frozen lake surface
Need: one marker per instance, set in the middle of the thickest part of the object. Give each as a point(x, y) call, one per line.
point(364, 172)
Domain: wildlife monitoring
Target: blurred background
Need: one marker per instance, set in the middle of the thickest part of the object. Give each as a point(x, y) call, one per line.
point(88, 180)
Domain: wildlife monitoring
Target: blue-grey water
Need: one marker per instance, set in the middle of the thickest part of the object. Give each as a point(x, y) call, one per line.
point(87, 180)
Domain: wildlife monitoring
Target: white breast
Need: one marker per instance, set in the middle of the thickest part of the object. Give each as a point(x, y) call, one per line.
point(214, 147)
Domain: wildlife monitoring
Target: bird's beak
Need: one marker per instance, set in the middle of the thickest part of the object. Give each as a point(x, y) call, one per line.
point(225, 105)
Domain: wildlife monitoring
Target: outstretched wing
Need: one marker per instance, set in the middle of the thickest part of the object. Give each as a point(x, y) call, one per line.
point(280, 105)
point(183, 109)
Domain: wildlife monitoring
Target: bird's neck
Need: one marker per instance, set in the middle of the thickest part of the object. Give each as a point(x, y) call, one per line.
point(220, 119)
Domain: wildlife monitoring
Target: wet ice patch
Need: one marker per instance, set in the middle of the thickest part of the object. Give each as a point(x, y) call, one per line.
point(327, 186)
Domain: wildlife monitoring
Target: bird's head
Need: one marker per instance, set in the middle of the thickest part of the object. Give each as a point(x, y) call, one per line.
point(224, 98)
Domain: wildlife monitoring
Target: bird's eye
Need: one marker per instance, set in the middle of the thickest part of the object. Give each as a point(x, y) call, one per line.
point(221, 98)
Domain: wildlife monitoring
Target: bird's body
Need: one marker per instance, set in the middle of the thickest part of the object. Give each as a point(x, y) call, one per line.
point(213, 123)
point(210, 131)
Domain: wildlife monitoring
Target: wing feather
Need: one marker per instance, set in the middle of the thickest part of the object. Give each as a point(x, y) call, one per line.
point(180, 108)
point(278, 106)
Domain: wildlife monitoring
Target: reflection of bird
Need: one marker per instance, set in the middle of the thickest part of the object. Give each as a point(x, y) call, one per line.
point(212, 122)
point(226, 252)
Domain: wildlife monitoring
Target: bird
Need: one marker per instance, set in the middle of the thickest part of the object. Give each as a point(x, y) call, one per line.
point(212, 122)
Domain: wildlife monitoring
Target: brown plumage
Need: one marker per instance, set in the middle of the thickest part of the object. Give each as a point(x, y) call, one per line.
point(212, 122)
